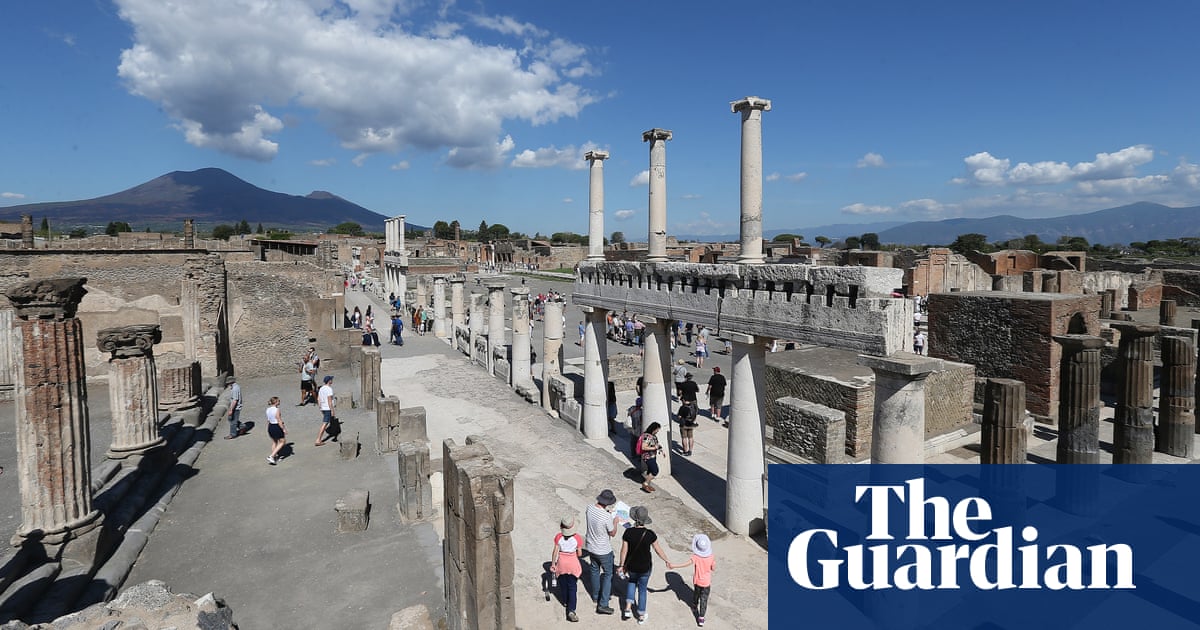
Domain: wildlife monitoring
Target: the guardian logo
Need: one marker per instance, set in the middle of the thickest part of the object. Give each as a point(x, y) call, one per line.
point(974, 556)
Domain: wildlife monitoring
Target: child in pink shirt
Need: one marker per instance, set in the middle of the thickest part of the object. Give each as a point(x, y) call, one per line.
point(703, 564)
point(564, 563)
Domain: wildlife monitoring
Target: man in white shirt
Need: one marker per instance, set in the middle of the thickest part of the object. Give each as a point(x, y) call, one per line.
point(601, 527)
point(326, 402)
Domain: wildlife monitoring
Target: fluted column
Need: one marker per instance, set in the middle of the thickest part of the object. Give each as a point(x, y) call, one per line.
point(1176, 401)
point(422, 291)
point(456, 300)
point(132, 387)
point(657, 236)
point(745, 465)
point(751, 109)
point(1079, 400)
point(1004, 439)
point(52, 431)
point(552, 353)
point(495, 330)
point(595, 373)
point(1166, 312)
point(596, 203)
point(439, 306)
point(1133, 423)
point(898, 431)
point(520, 374)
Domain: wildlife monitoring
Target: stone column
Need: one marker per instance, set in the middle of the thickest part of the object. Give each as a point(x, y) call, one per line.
point(372, 387)
point(751, 109)
point(439, 306)
point(1079, 400)
point(422, 292)
point(521, 363)
point(1133, 423)
point(189, 234)
point(745, 467)
point(657, 236)
point(495, 322)
point(52, 433)
point(1106, 304)
point(475, 320)
point(656, 396)
point(1166, 312)
point(1176, 402)
point(898, 431)
point(26, 231)
point(595, 373)
point(132, 387)
point(596, 204)
point(552, 352)
point(456, 299)
point(1004, 438)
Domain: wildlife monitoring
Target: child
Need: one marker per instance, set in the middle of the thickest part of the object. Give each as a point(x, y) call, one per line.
point(704, 564)
point(564, 563)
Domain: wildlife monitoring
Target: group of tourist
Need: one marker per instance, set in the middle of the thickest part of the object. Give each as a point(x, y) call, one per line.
point(633, 564)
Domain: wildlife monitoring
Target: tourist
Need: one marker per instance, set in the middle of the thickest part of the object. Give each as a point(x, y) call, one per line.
point(275, 430)
point(235, 408)
point(689, 390)
point(919, 342)
point(701, 350)
point(356, 318)
point(716, 394)
point(636, 561)
point(648, 448)
point(582, 331)
point(703, 564)
point(629, 326)
point(426, 320)
point(687, 427)
point(397, 337)
point(564, 563)
point(416, 320)
point(612, 407)
point(307, 391)
point(601, 527)
point(679, 373)
point(315, 360)
point(687, 332)
point(370, 337)
point(635, 426)
point(327, 404)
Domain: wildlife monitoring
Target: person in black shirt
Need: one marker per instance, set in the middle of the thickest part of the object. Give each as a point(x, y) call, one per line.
point(716, 394)
point(688, 390)
point(636, 562)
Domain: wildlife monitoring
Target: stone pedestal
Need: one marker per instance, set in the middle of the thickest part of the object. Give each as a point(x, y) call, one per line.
point(495, 330)
point(1106, 304)
point(744, 502)
point(439, 306)
point(1166, 313)
point(898, 431)
point(521, 362)
point(132, 387)
point(595, 374)
point(1176, 428)
point(1133, 423)
point(552, 352)
point(1079, 400)
point(475, 321)
point(457, 316)
point(52, 432)
point(353, 511)
point(395, 425)
point(1004, 438)
point(596, 204)
point(372, 387)
point(178, 386)
point(657, 236)
point(751, 109)
point(416, 495)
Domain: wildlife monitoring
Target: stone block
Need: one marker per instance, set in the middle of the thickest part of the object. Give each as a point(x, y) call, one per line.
point(416, 495)
point(395, 425)
point(571, 412)
point(812, 431)
point(353, 510)
point(348, 445)
point(372, 387)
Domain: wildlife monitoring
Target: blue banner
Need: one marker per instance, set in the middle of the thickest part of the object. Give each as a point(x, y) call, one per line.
point(1033, 546)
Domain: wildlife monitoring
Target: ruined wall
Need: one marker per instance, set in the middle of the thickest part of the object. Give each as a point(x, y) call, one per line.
point(1187, 281)
point(788, 374)
point(949, 397)
point(275, 308)
point(1101, 281)
point(942, 271)
point(1144, 295)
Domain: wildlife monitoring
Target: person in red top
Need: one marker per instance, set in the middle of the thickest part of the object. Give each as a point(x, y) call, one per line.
point(564, 563)
point(704, 564)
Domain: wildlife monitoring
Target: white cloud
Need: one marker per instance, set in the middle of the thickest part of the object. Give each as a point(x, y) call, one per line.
point(690, 196)
point(701, 226)
point(796, 177)
point(568, 157)
point(985, 170)
point(402, 165)
point(568, 200)
point(641, 179)
point(323, 162)
point(871, 160)
point(622, 215)
point(11, 195)
point(773, 177)
point(360, 159)
point(862, 208)
point(929, 209)
point(355, 66)
point(481, 157)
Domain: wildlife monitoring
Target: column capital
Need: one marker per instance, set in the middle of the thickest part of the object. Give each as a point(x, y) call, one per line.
point(914, 366)
point(737, 337)
point(492, 287)
point(439, 278)
point(519, 292)
point(1080, 342)
point(129, 341)
point(595, 156)
point(457, 278)
point(750, 102)
point(56, 298)
point(656, 134)
point(1134, 329)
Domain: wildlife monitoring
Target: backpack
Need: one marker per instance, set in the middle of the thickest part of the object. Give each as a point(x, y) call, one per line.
point(637, 449)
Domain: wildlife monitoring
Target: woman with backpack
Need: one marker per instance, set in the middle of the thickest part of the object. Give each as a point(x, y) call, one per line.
point(648, 448)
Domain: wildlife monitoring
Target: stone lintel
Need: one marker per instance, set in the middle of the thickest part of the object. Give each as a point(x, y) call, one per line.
point(1080, 342)
point(55, 298)
point(656, 134)
point(647, 319)
point(519, 292)
point(903, 363)
point(595, 155)
point(737, 337)
point(129, 341)
point(750, 102)
point(590, 309)
point(1134, 329)
point(495, 286)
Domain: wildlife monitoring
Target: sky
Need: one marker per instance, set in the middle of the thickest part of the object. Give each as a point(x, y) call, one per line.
point(469, 111)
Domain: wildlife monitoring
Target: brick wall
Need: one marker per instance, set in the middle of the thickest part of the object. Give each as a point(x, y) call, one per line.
point(1144, 295)
point(854, 396)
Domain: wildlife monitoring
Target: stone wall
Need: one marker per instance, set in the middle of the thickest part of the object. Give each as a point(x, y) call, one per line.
point(826, 377)
point(274, 309)
point(1101, 281)
point(941, 271)
point(949, 398)
point(1144, 295)
point(808, 430)
point(1187, 281)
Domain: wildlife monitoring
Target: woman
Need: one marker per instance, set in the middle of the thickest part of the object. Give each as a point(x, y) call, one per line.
point(275, 429)
point(564, 563)
point(648, 448)
point(636, 562)
point(701, 351)
point(356, 318)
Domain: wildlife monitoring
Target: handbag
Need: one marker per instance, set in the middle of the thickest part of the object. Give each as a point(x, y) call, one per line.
point(335, 427)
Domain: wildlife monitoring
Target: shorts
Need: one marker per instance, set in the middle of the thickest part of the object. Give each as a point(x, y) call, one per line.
point(275, 431)
point(306, 386)
point(326, 415)
point(685, 431)
point(650, 466)
point(715, 401)
point(702, 353)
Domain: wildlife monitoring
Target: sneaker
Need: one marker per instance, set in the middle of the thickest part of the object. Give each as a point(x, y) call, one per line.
point(625, 614)
point(604, 610)
point(271, 461)
point(642, 619)
point(700, 622)
point(571, 616)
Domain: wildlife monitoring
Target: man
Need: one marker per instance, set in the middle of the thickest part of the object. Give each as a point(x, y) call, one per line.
point(679, 374)
point(315, 360)
point(307, 371)
point(688, 390)
point(716, 394)
point(397, 329)
point(601, 527)
point(919, 342)
point(326, 402)
point(235, 408)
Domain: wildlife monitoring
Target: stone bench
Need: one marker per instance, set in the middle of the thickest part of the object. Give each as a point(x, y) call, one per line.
point(353, 510)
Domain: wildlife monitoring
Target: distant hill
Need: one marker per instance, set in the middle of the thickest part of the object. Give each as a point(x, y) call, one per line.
point(210, 196)
point(835, 231)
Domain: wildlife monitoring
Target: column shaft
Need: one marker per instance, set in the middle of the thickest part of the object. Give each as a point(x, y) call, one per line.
point(521, 373)
point(1133, 423)
point(657, 236)
point(1166, 312)
point(898, 432)
point(439, 306)
point(133, 388)
point(552, 352)
point(751, 109)
point(1176, 401)
point(495, 330)
point(1079, 400)
point(596, 204)
point(745, 467)
point(595, 374)
point(1004, 439)
point(456, 299)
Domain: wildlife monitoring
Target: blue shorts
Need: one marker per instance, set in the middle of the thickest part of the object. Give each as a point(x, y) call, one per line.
point(651, 466)
point(326, 415)
point(702, 353)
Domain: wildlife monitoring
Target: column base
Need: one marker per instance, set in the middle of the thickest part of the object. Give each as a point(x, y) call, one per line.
point(122, 452)
point(745, 512)
point(61, 534)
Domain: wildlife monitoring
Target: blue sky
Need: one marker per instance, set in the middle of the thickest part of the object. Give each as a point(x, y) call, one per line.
point(882, 111)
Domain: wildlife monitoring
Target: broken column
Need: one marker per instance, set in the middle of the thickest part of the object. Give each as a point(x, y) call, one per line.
point(178, 386)
point(1079, 400)
point(204, 305)
point(595, 373)
point(596, 204)
point(475, 320)
point(751, 109)
point(495, 330)
point(1176, 402)
point(26, 231)
point(416, 495)
point(1166, 313)
point(422, 291)
point(898, 427)
point(456, 300)
point(132, 387)
point(439, 306)
point(1106, 305)
point(744, 473)
point(189, 234)
point(1133, 422)
point(521, 365)
point(372, 388)
point(657, 236)
point(1004, 439)
point(52, 433)
point(552, 351)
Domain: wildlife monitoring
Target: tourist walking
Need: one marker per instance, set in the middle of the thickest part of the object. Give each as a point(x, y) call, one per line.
point(275, 430)
point(235, 408)
point(701, 350)
point(716, 394)
point(582, 333)
point(689, 390)
point(636, 561)
point(687, 427)
point(679, 373)
point(703, 564)
point(635, 427)
point(919, 342)
point(307, 391)
point(564, 563)
point(327, 404)
point(397, 337)
point(648, 448)
point(601, 527)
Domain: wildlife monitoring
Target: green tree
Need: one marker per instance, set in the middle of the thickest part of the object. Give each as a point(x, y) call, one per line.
point(223, 232)
point(499, 231)
point(45, 229)
point(617, 237)
point(441, 229)
point(823, 241)
point(787, 238)
point(115, 227)
point(852, 242)
point(348, 227)
point(870, 240)
point(485, 232)
point(567, 237)
point(967, 243)
point(260, 229)
point(243, 227)
point(79, 233)
point(1074, 243)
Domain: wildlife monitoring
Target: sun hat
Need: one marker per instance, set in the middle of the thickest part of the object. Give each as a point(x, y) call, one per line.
point(229, 380)
point(606, 498)
point(701, 545)
point(640, 515)
point(567, 525)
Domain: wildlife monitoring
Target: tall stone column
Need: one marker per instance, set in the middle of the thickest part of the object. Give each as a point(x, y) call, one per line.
point(204, 305)
point(1133, 423)
point(751, 109)
point(522, 366)
point(898, 431)
point(26, 231)
point(552, 352)
point(475, 321)
point(1106, 304)
point(422, 292)
point(1004, 438)
point(595, 373)
point(657, 236)
point(439, 306)
point(52, 433)
point(495, 322)
point(596, 204)
point(745, 465)
point(456, 299)
point(1176, 401)
point(1079, 400)
point(189, 234)
point(132, 387)
point(656, 370)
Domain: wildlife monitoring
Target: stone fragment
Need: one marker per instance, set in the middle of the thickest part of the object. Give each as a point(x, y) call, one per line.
point(353, 510)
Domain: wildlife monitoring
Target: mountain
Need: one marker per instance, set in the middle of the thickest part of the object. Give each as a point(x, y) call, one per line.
point(210, 196)
point(835, 231)
point(1142, 221)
